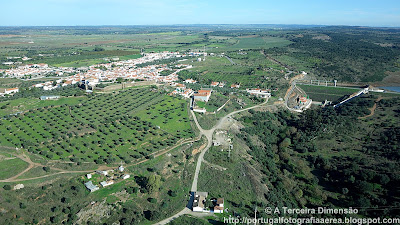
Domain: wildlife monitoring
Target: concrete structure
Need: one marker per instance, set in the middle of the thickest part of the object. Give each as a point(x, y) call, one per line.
point(106, 183)
point(49, 97)
point(219, 206)
point(89, 185)
point(89, 176)
point(259, 93)
point(102, 172)
point(126, 176)
point(199, 200)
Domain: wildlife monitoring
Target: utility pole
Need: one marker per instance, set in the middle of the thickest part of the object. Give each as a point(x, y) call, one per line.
point(255, 216)
point(204, 53)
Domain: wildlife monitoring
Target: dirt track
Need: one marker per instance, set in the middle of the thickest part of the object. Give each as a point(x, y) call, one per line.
point(31, 164)
point(372, 109)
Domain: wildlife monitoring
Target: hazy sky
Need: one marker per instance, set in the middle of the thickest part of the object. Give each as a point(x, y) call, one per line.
point(165, 12)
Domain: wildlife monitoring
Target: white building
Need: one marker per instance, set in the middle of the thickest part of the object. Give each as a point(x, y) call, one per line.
point(89, 185)
point(106, 183)
point(190, 81)
point(126, 176)
point(11, 91)
point(219, 207)
point(103, 172)
point(198, 202)
point(259, 93)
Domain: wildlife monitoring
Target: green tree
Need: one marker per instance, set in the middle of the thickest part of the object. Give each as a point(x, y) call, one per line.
point(153, 183)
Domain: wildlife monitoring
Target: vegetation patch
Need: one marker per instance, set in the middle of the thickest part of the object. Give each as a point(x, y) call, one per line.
point(11, 166)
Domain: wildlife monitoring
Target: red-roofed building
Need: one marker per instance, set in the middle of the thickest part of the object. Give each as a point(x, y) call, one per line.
point(235, 86)
point(214, 84)
point(11, 91)
point(202, 95)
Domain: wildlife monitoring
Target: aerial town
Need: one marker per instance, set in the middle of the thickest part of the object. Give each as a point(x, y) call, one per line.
point(197, 124)
point(107, 72)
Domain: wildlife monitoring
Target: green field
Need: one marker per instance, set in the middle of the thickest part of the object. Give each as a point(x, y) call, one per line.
point(11, 166)
point(24, 104)
point(170, 115)
point(102, 128)
point(256, 43)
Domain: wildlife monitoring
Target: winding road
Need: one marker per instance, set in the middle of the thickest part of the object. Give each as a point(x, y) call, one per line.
point(208, 134)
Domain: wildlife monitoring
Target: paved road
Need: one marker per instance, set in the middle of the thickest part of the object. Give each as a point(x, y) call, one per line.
point(169, 219)
point(208, 134)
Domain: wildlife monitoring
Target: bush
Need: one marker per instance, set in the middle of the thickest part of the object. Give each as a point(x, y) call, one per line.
point(131, 190)
point(152, 200)
point(172, 193)
point(7, 187)
point(22, 205)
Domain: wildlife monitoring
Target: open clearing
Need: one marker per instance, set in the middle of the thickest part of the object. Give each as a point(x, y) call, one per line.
point(11, 167)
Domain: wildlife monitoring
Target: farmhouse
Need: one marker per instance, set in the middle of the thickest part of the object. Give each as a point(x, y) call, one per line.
point(126, 176)
point(259, 93)
point(190, 81)
point(106, 183)
point(199, 200)
point(214, 84)
point(89, 185)
point(102, 172)
point(202, 95)
point(9, 91)
point(219, 205)
point(235, 86)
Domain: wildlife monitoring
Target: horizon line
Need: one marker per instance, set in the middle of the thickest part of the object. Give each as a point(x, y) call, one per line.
point(200, 24)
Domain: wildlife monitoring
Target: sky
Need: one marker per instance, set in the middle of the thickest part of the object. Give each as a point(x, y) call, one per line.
point(167, 12)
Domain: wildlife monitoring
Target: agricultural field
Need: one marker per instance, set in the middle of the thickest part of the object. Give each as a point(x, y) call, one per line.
point(25, 104)
point(255, 42)
point(102, 128)
point(252, 70)
point(10, 166)
point(65, 47)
